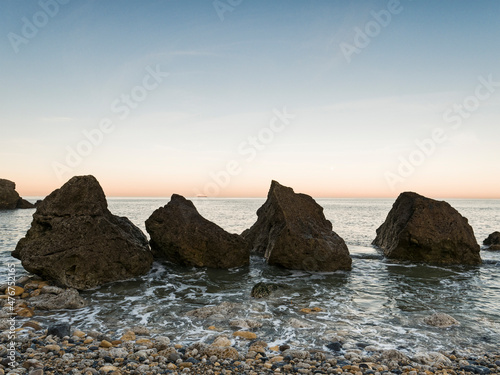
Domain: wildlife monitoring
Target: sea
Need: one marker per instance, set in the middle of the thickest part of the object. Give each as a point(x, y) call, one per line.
point(380, 302)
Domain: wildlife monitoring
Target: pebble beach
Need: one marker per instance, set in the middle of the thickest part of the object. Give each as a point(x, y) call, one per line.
point(143, 351)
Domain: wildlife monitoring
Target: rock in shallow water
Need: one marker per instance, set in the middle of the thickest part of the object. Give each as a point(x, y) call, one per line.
point(76, 241)
point(421, 229)
point(292, 232)
point(9, 197)
point(182, 236)
point(441, 320)
point(493, 241)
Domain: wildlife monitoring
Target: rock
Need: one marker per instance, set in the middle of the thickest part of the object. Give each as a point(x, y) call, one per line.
point(296, 323)
point(420, 229)
point(263, 290)
point(493, 241)
point(68, 299)
point(292, 232)
point(245, 334)
point(441, 320)
point(222, 341)
point(225, 309)
point(9, 197)
point(105, 344)
point(128, 336)
point(76, 241)
point(433, 359)
point(14, 290)
point(60, 330)
point(181, 235)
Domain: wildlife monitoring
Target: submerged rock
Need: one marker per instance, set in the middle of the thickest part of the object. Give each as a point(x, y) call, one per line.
point(421, 229)
point(181, 235)
point(9, 197)
point(292, 232)
point(441, 320)
point(76, 241)
point(493, 241)
point(263, 290)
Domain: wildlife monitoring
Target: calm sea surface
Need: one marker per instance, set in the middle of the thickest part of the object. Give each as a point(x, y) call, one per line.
point(380, 302)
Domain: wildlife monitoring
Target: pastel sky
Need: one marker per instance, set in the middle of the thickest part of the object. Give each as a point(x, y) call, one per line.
point(333, 98)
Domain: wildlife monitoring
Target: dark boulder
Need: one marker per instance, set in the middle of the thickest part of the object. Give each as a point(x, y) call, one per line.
point(76, 241)
point(493, 241)
point(292, 232)
point(421, 229)
point(181, 235)
point(9, 197)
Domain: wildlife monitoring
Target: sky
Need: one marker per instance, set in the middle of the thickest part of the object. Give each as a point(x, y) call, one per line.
point(218, 98)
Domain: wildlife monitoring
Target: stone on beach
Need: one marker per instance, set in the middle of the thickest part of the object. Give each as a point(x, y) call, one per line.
point(421, 229)
point(65, 299)
point(292, 232)
point(182, 236)
point(493, 241)
point(9, 197)
point(76, 241)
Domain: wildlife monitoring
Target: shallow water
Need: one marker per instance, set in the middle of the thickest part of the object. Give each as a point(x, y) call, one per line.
point(380, 302)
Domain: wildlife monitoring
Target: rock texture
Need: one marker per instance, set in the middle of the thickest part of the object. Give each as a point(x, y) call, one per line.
point(441, 320)
point(182, 236)
point(76, 241)
point(292, 232)
point(9, 197)
point(421, 229)
point(493, 241)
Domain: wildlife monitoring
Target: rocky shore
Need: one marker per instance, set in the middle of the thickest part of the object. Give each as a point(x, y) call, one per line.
point(138, 350)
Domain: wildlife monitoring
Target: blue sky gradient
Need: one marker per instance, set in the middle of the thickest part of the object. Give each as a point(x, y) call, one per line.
point(357, 121)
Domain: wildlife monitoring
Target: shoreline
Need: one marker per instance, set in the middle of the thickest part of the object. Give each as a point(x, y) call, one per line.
point(138, 351)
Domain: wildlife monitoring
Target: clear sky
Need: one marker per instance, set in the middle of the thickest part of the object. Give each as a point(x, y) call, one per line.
point(333, 98)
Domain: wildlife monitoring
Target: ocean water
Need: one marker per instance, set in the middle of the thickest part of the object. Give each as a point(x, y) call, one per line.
point(380, 302)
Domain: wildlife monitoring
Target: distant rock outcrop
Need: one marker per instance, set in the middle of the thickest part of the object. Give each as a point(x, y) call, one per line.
point(181, 235)
point(493, 241)
point(421, 229)
point(292, 232)
point(9, 197)
point(75, 240)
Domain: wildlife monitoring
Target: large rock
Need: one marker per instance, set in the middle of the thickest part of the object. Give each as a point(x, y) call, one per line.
point(493, 241)
point(292, 232)
point(9, 197)
point(77, 242)
point(181, 235)
point(420, 229)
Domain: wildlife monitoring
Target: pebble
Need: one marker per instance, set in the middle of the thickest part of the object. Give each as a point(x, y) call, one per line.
point(50, 355)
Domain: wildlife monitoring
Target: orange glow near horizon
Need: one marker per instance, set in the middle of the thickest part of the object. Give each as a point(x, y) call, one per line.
point(148, 189)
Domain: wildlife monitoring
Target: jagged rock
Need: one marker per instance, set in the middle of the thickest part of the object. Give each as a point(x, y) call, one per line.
point(77, 242)
point(493, 241)
point(292, 232)
point(441, 320)
point(262, 290)
point(421, 229)
point(9, 197)
point(181, 235)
